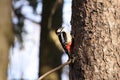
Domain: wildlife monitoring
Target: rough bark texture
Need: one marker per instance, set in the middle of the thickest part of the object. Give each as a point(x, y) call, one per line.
point(6, 36)
point(50, 54)
point(96, 26)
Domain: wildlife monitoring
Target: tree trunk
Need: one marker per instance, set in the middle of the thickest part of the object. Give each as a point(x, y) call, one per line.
point(50, 53)
point(6, 36)
point(96, 26)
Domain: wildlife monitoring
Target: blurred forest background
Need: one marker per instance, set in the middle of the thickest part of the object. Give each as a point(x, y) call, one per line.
point(29, 46)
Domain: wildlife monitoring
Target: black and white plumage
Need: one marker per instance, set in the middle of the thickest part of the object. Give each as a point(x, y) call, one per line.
point(65, 39)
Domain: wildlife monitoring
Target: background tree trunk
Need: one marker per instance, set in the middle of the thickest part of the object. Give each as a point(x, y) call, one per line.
point(50, 53)
point(6, 36)
point(96, 26)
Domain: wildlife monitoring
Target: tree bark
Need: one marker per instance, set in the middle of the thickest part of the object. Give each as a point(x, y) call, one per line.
point(96, 48)
point(50, 53)
point(6, 36)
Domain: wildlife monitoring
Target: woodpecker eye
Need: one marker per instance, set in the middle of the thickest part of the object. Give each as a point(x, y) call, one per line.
point(58, 33)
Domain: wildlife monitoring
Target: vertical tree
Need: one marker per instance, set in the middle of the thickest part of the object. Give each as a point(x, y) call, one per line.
point(6, 36)
point(50, 54)
point(96, 27)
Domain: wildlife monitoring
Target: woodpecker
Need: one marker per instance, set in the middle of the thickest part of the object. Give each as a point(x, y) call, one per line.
point(65, 39)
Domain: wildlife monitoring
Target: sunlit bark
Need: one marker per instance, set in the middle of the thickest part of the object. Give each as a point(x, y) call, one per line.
point(96, 26)
point(6, 36)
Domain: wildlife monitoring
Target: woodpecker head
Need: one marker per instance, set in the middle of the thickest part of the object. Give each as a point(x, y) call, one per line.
point(59, 31)
point(65, 39)
point(64, 34)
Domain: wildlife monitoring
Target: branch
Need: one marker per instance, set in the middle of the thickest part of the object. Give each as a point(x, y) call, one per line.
point(55, 69)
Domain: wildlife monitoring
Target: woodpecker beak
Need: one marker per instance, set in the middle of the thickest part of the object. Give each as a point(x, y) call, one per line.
point(58, 31)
